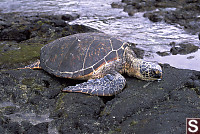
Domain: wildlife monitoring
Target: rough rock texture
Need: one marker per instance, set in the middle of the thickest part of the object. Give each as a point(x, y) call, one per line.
point(183, 12)
point(31, 101)
point(181, 48)
point(22, 36)
point(162, 105)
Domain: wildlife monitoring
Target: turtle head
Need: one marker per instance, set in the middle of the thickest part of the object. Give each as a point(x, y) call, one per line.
point(141, 69)
point(149, 71)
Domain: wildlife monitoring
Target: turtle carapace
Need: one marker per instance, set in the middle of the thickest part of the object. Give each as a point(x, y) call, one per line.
point(98, 58)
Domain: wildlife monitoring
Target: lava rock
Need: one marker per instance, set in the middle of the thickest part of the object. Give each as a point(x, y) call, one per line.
point(25, 35)
point(15, 33)
point(10, 110)
point(4, 24)
point(199, 36)
point(130, 10)
point(41, 128)
point(182, 12)
point(131, 2)
point(59, 23)
point(2, 130)
point(26, 125)
point(10, 47)
point(77, 113)
point(70, 17)
point(140, 104)
point(36, 95)
point(117, 5)
point(163, 53)
point(184, 48)
point(160, 107)
point(13, 127)
point(154, 17)
point(194, 80)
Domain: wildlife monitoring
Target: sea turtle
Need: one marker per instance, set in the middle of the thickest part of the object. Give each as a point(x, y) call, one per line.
point(98, 58)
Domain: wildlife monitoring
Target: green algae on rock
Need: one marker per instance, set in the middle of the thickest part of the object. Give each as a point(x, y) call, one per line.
point(22, 39)
point(25, 53)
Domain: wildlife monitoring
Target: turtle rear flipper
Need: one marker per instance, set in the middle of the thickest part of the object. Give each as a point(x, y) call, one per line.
point(35, 65)
point(110, 84)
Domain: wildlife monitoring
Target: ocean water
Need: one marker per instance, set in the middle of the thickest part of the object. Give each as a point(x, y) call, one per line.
point(98, 14)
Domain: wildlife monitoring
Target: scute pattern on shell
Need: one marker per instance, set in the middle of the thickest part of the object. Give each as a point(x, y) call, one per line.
point(80, 54)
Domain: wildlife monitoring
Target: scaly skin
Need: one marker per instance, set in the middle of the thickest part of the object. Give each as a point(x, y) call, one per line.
point(131, 65)
point(103, 75)
point(110, 84)
point(139, 68)
point(108, 81)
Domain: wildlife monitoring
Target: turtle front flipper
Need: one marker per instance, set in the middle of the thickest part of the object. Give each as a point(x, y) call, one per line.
point(110, 84)
point(35, 65)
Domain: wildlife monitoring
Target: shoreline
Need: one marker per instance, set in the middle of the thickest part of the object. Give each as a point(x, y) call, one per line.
point(29, 96)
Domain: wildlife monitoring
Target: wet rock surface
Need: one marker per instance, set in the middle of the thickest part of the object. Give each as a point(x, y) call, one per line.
point(22, 35)
point(31, 101)
point(183, 12)
point(194, 82)
point(181, 48)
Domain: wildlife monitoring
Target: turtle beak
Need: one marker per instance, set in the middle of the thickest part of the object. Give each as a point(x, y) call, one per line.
point(155, 73)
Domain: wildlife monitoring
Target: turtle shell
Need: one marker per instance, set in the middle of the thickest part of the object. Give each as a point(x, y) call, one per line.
point(79, 55)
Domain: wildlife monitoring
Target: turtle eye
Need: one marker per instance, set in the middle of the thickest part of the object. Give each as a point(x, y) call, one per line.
point(157, 74)
point(151, 71)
